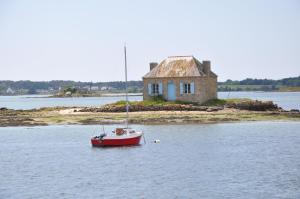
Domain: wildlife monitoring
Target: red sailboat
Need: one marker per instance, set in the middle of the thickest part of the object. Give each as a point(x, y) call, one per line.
point(120, 136)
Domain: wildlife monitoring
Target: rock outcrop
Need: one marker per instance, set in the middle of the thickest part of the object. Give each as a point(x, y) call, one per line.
point(254, 105)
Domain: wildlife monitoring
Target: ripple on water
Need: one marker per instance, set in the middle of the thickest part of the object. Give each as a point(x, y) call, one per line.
point(234, 160)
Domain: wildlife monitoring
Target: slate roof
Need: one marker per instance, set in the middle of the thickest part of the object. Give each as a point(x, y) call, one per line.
point(178, 66)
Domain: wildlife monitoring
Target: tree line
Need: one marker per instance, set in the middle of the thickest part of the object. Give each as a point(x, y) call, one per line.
point(32, 87)
point(292, 81)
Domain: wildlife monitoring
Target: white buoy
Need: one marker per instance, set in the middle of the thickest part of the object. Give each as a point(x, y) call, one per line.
point(156, 141)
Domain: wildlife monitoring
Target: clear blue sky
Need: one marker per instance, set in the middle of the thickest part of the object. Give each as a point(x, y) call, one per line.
point(83, 40)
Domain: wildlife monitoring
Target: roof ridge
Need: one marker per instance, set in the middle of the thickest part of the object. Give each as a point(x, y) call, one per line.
point(180, 56)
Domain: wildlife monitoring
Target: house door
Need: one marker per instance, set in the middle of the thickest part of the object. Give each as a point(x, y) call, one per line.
point(171, 91)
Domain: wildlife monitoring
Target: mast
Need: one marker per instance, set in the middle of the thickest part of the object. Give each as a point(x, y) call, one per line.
point(127, 105)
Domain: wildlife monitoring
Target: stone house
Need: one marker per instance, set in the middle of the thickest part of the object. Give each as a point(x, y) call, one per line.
point(182, 78)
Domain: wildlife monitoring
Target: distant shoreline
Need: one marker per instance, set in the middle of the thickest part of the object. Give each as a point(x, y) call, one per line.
point(24, 87)
point(97, 95)
point(129, 94)
point(84, 96)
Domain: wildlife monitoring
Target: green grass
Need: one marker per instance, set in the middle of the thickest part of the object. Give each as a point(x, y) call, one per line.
point(221, 102)
point(142, 103)
point(289, 89)
point(214, 102)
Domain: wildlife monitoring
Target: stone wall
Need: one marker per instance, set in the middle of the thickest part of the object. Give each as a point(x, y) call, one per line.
point(205, 88)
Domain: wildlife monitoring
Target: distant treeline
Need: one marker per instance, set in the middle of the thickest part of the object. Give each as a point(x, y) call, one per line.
point(34, 87)
point(250, 84)
point(292, 81)
point(48, 87)
point(56, 84)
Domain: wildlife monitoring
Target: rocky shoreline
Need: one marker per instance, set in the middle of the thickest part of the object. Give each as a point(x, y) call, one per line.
point(149, 114)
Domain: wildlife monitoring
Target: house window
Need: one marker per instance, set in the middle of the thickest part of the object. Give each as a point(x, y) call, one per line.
point(155, 89)
point(187, 88)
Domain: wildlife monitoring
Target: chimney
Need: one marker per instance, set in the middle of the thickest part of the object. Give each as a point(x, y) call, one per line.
point(153, 65)
point(206, 67)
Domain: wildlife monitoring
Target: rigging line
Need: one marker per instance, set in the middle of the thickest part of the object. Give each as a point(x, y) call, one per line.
point(126, 86)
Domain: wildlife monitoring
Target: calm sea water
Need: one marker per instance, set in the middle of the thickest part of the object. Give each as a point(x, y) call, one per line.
point(288, 100)
point(232, 160)
point(36, 101)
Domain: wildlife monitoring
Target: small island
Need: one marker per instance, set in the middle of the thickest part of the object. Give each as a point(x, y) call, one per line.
point(152, 112)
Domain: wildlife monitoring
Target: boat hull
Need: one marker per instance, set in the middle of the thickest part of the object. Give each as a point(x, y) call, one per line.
point(130, 141)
